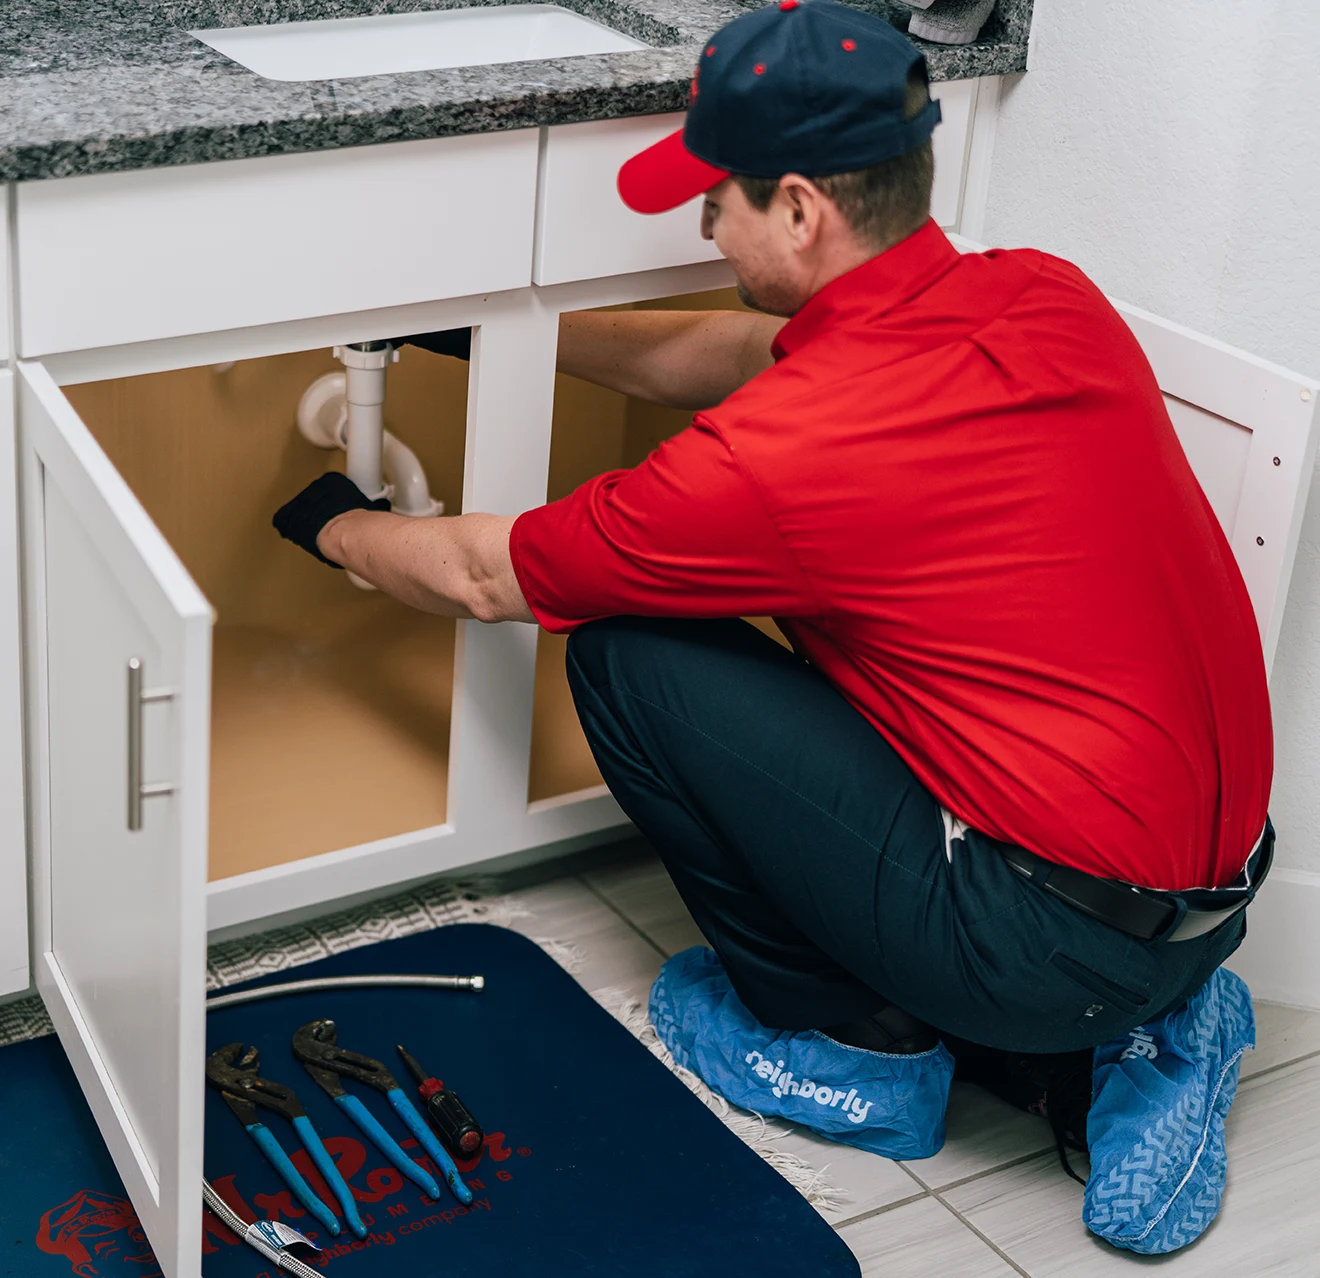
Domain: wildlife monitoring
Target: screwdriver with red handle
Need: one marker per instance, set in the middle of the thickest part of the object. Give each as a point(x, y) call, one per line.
point(449, 1116)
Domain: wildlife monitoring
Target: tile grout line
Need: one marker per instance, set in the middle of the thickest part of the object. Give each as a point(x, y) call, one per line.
point(605, 900)
point(1274, 1069)
point(989, 1242)
point(841, 1225)
point(989, 1171)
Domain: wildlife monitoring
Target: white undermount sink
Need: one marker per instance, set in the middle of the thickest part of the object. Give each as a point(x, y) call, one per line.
point(337, 48)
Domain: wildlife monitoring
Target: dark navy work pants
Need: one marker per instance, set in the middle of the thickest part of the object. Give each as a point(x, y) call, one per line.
point(815, 863)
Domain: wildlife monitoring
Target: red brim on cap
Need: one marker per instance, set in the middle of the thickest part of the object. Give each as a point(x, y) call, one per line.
point(666, 175)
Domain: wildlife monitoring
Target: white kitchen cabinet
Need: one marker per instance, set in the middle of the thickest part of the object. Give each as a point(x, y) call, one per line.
point(123, 914)
point(584, 230)
point(116, 258)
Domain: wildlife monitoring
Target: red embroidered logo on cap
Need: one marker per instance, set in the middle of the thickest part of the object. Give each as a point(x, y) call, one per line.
point(759, 69)
point(786, 5)
point(850, 45)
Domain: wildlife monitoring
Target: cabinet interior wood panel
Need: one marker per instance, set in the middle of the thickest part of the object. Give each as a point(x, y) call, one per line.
point(330, 705)
point(596, 430)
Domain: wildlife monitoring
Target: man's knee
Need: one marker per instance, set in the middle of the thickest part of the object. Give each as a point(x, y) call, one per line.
point(603, 653)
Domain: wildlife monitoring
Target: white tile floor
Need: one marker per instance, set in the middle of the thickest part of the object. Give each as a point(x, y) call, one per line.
point(993, 1202)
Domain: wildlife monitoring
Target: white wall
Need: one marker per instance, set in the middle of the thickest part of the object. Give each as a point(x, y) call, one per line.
point(1172, 150)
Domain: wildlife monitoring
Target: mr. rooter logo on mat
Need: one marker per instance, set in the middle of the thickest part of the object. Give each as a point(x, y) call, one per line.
point(100, 1235)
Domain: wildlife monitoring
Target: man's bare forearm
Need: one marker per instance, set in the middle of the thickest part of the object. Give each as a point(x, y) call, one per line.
point(457, 566)
point(681, 359)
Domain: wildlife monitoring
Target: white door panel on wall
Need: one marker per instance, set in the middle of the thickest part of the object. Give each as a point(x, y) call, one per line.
point(14, 974)
point(123, 941)
point(114, 258)
point(1249, 430)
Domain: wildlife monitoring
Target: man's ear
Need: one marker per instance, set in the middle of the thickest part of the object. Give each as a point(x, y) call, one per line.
point(802, 203)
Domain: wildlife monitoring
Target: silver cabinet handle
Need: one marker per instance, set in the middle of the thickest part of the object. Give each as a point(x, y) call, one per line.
point(137, 788)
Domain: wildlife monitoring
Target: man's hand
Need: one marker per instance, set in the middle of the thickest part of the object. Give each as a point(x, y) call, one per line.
point(327, 496)
point(457, 566)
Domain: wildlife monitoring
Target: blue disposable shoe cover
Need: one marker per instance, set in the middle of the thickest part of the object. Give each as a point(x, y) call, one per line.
point(1156, 1126)
point(890, 1105)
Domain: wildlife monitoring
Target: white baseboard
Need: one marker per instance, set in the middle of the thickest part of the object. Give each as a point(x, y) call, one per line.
point(1280, 959)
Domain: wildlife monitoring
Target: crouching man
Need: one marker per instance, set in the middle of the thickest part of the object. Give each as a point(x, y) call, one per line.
point(1004, 802)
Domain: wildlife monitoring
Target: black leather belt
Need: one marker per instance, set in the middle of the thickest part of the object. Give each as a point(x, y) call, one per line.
point(1140, 912)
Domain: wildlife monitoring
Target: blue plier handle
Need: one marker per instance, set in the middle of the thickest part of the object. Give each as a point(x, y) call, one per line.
point(235, 1073)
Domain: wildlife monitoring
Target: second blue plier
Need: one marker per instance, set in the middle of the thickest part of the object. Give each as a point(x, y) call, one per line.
point(235, 1073)
point(316, 1045)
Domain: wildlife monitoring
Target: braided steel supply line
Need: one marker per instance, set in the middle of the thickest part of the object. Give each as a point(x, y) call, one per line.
point(473, 983)
point(259, 1235)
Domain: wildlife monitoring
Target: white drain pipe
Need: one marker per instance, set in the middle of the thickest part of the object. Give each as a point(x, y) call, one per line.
point(347, 410)
point(365, 364)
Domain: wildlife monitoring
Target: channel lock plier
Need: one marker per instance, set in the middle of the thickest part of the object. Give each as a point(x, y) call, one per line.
point(235, 1073)
point(316, 1045)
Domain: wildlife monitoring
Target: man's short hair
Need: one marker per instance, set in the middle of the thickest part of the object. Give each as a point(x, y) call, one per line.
point(884, 203)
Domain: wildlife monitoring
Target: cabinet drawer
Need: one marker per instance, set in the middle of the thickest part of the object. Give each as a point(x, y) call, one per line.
point(130, 257)
point(585, 231)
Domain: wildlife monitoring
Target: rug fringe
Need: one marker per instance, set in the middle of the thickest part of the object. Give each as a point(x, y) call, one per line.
point(756, 1131)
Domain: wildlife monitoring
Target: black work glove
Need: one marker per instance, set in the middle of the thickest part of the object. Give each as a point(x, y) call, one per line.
point(449, 341)
point(300, 520)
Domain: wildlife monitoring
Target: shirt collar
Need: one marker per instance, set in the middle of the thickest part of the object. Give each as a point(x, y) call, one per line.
point(888, 280)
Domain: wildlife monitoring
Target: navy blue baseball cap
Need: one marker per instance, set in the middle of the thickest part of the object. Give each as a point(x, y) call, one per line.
point(801, 86)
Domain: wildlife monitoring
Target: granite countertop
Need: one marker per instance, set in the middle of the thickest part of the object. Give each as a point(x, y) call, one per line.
point(96, 86)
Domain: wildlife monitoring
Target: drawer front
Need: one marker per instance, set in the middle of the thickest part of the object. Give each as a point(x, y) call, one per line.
point(585, 231)
point(130, 257)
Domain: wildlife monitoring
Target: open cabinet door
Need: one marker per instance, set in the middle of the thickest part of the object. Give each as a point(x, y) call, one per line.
point(119, 644)
point(1249, 429)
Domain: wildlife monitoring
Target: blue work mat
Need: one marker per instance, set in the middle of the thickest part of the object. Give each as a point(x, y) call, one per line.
point(598, 1162)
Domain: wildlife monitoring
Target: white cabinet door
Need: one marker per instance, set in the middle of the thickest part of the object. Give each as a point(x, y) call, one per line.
point(14, 974)
point(1249, 429)
point(121, 930)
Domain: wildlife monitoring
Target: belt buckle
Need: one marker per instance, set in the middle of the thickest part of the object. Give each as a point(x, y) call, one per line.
point(1199, 922)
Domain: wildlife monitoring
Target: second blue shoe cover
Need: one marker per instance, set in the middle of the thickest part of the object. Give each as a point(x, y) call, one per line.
point(890, 1105)
point(1156, 1127)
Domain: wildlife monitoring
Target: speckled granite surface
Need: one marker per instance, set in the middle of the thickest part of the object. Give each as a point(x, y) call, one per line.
point(94, 86)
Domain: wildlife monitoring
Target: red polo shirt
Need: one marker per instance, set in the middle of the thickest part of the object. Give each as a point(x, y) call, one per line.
point(959, 494)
